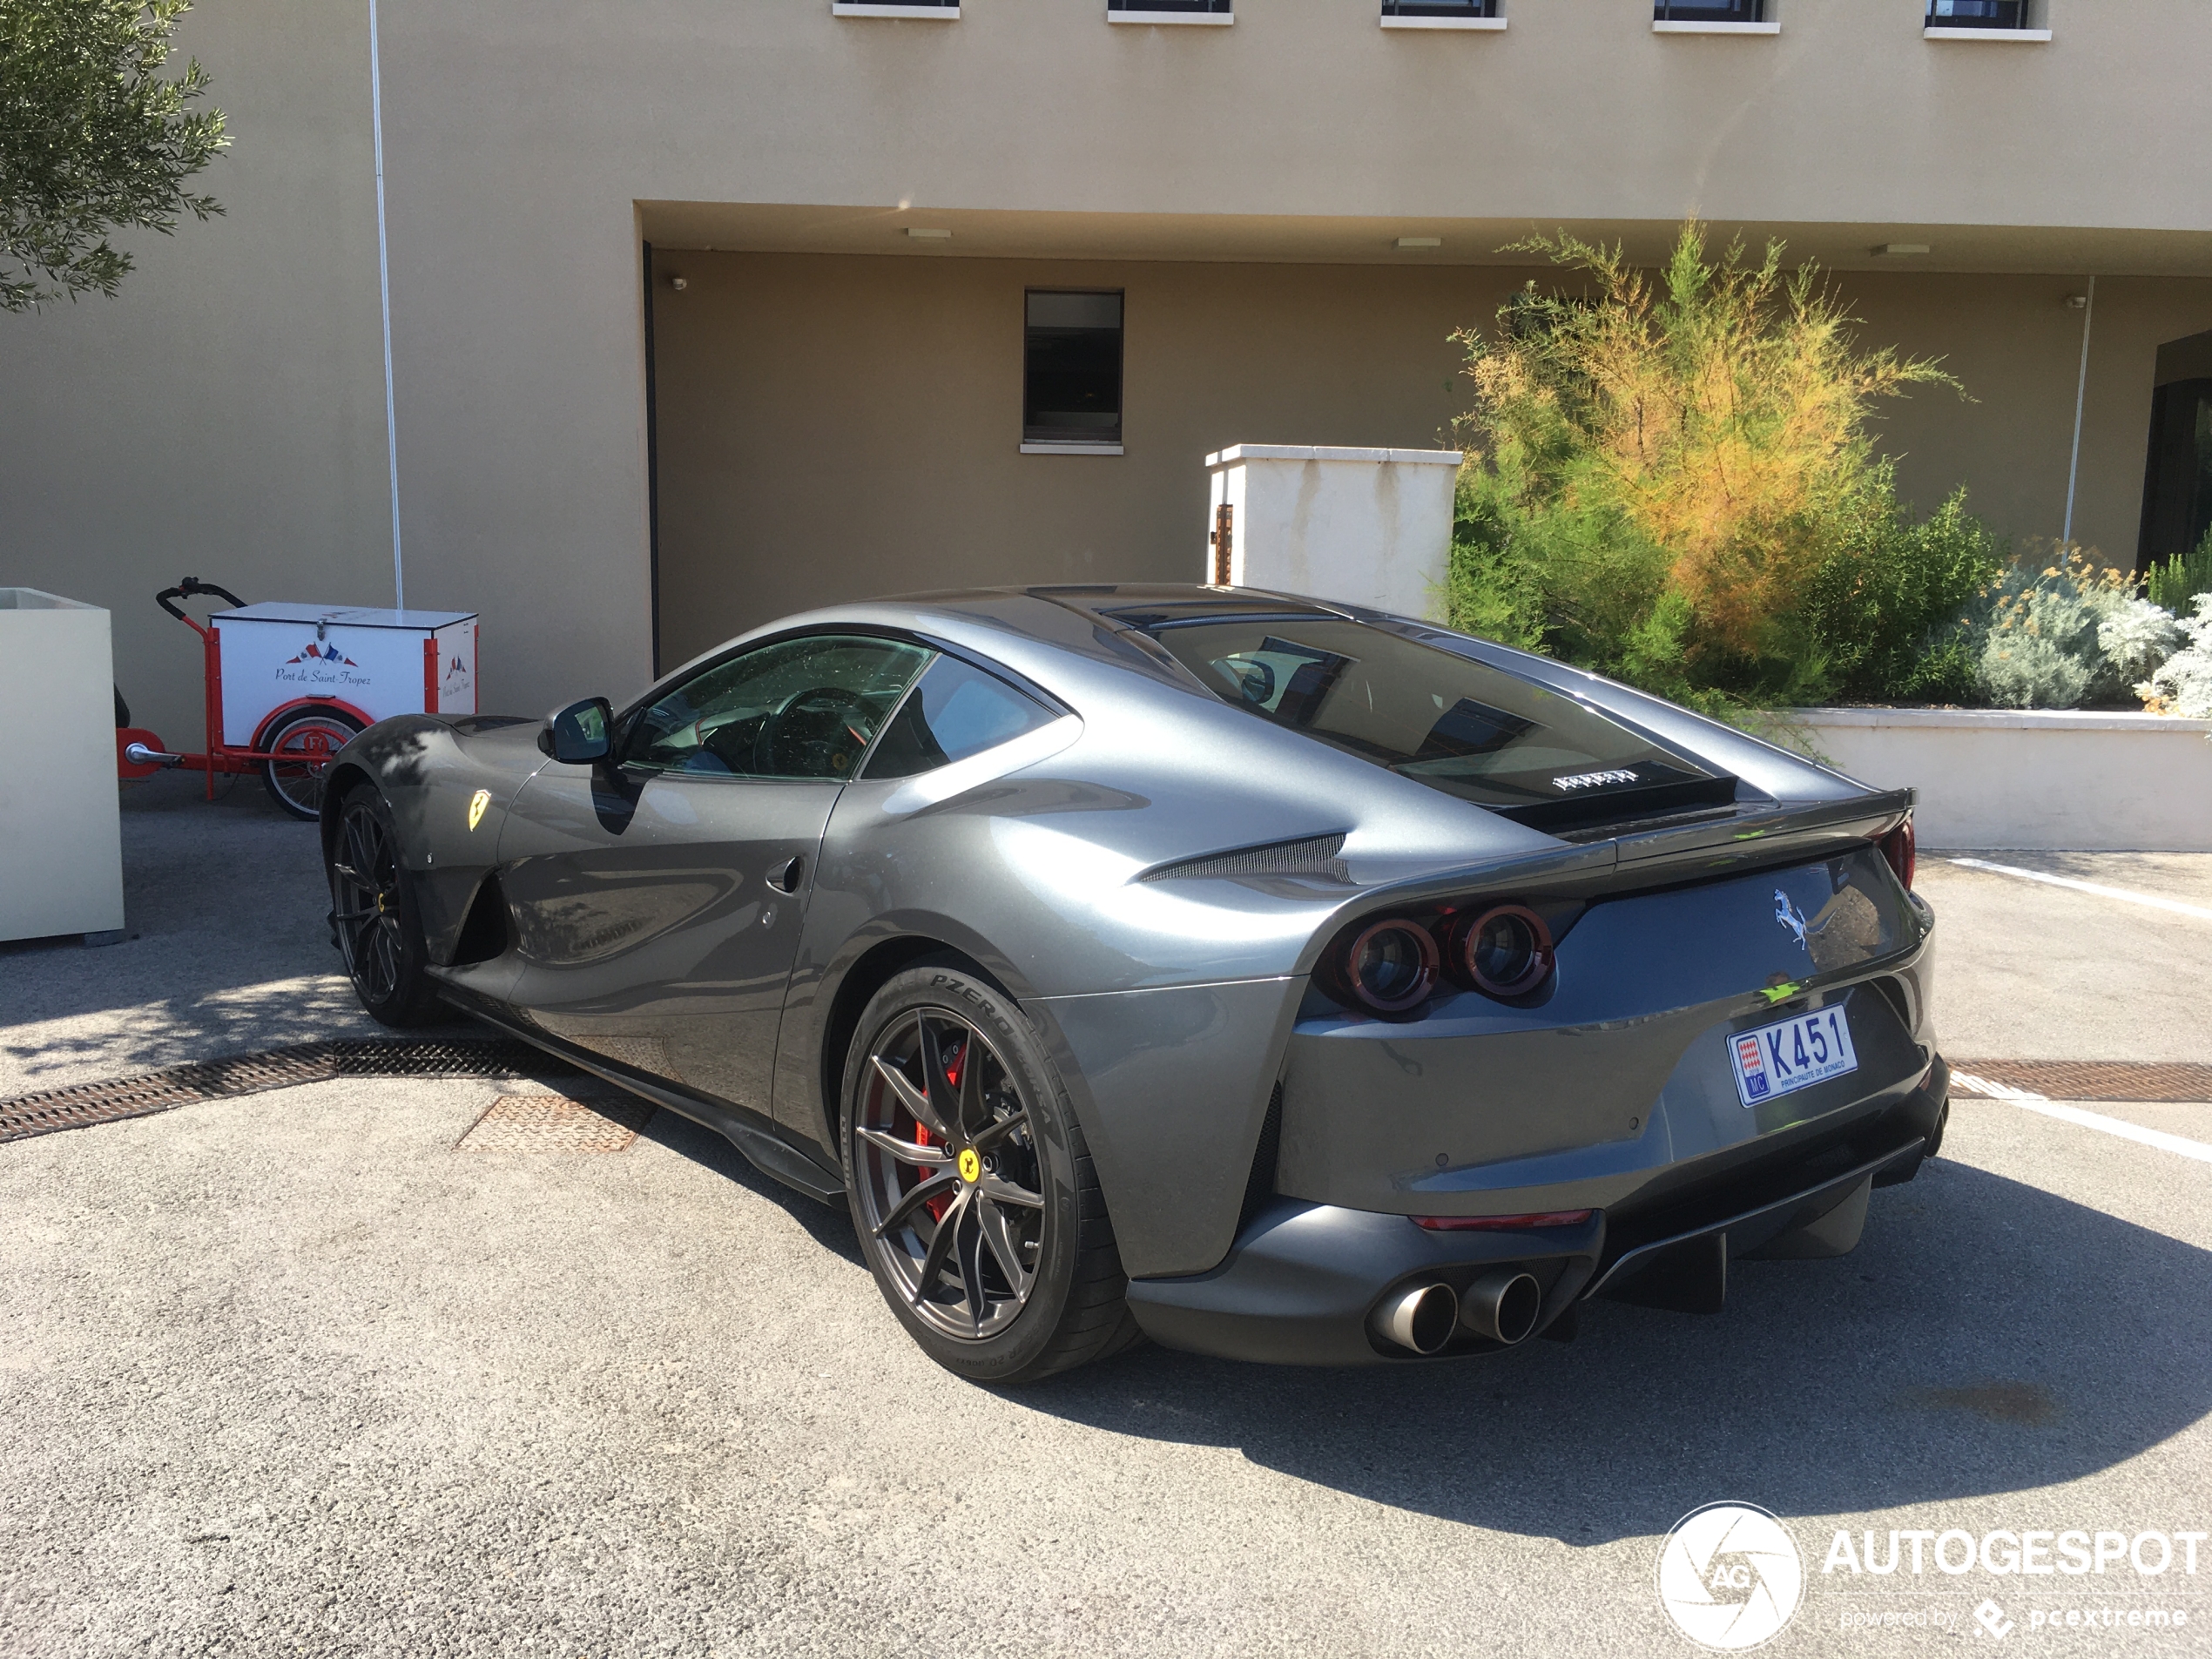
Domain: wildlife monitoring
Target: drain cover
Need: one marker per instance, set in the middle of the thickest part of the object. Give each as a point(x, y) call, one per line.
point(556, 1123)
point(2093, 1079)
point(250, 1074)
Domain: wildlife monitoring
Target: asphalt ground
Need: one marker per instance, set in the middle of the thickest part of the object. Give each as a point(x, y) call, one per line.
point(310, 1372)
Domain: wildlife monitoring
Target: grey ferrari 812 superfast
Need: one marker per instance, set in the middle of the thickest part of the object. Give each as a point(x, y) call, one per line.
point(1272, 978)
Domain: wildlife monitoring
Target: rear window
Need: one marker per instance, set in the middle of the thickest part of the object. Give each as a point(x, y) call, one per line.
point(954, 711)
point(1457, 725)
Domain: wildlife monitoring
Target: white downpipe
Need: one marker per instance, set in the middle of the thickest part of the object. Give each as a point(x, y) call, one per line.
point(2080, 385)
point(384, 294)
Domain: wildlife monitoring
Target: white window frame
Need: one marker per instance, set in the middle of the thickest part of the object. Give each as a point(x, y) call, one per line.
point(1489, 25)
point(1772, 25)
point(909, 12)
point(1172, 19)
point(2037, 32)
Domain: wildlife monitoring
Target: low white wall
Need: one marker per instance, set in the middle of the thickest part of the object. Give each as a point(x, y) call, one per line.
point(1364, 527)
point(61, 841)
point(2001, 778)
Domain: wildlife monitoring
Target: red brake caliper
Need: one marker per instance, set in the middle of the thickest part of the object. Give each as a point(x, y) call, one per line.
point(938, 1206)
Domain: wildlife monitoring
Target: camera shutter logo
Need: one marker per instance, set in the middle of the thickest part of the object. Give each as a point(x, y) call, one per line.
point(1729, 1576)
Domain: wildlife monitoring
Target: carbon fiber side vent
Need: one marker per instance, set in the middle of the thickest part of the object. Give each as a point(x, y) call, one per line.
point(1314, 856)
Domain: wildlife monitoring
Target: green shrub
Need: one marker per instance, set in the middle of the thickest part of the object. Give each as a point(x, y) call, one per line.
point(2182, 685)
point(1887, 606)
point(2174, 585)
point(1663, 472)
point(2064, 634)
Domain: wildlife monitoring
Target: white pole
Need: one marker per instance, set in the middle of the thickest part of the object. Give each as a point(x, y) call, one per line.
point(384, 293)
point(2080, 385)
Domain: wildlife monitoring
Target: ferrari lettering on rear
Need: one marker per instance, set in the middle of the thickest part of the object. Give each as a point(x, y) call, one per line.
point(1593, 779)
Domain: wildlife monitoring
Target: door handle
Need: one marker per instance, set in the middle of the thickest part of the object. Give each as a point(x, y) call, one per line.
point(785, 877)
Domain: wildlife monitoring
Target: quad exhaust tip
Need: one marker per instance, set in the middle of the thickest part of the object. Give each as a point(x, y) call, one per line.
point(1421, 1316)
point(1502, 1306)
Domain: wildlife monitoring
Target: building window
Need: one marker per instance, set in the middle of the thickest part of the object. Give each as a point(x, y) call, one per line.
point(1977, 14)
point(934, 11)
point(1709, 10)
point(1071, 373)
point(1443, 13)
point(2177, 495)
point(1169, 11)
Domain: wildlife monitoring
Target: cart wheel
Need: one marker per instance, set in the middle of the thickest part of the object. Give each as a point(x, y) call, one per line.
point(304, 741)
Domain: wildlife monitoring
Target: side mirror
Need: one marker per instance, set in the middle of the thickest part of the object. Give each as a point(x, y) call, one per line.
point(581, 732)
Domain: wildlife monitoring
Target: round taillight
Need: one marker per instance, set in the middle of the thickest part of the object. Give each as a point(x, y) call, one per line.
point(1390, 966)
point(1504, 951)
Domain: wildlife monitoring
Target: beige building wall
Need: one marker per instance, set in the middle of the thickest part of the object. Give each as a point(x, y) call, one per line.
point(223, 417)
point(831, 428)
point(228, 407)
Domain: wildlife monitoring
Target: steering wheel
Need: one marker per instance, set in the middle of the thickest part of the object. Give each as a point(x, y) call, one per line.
point(820, 733)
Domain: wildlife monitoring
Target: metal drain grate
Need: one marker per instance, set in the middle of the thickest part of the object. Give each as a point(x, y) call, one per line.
point(251, 1074)
point(556, 1123)
point(2176, 1081)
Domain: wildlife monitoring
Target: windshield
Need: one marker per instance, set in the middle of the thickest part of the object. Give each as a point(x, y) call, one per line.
point(1458, 725)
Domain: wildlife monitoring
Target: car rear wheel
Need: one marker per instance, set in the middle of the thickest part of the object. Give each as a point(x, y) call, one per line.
point(974, 1194)
point(374, 918)
point(302, 745)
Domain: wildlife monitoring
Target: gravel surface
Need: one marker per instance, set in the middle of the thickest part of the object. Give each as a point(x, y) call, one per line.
point(301, 1373)
point(226, 951)
point(294, 1374)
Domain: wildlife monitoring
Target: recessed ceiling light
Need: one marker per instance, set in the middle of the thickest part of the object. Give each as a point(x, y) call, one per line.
point(1897, 250)
point(1420, 241)
point(922, 234)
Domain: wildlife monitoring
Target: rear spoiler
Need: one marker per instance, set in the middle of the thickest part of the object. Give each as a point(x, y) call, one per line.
point(1751, 836)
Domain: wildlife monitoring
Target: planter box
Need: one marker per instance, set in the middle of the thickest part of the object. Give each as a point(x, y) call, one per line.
point(61, 836)
point(2003, 777)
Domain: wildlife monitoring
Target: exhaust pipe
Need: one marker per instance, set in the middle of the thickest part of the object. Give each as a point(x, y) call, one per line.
point(1421, 1316)
point(1502, 1306)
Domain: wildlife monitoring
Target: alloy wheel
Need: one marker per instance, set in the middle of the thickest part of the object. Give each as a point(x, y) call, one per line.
point(364, 897)
point(950, 1185)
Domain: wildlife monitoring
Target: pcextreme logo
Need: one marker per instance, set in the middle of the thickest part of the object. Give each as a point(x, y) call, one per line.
point(1729, 1576)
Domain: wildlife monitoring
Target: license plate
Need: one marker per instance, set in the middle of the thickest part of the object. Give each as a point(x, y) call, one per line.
point(1791, 1054)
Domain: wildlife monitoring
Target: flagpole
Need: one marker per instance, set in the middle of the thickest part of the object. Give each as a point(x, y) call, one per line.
point(384, 295)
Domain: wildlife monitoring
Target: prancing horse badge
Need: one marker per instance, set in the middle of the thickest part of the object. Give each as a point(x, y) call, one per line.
point(477, 802)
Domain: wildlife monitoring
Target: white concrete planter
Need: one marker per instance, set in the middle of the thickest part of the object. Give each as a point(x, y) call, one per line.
point(61, 837)
point(1364, 527)
point(2004, 778)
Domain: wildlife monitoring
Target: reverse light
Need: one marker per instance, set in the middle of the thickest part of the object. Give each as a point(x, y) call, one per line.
point(1504, 951)
point(1901, 849)
point(1390, 966)
point(1501, 1223)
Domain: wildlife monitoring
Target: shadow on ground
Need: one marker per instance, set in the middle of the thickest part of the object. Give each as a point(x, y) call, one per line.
point(225, 948)
point(1987, 1336)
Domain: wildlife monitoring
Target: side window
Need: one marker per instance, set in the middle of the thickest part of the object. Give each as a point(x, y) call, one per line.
point(799, 708)
point(955, 711)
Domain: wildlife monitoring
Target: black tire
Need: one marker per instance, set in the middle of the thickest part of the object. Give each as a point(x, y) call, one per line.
point(1006, 1135)
point(314, 735)
point(374, 918)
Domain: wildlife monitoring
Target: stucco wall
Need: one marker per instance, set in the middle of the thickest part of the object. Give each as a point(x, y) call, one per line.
point(225, 416)
point(834, 426)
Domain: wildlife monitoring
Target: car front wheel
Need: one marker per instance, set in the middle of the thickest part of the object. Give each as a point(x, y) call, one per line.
point(974, 1194)
point(373, 919)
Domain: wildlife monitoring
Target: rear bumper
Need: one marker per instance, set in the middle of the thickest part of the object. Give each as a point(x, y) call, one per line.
point(1301, 1283)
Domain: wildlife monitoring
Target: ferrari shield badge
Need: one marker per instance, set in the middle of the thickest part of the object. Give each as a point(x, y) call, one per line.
point(477, 802)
